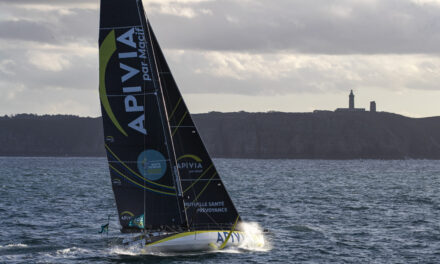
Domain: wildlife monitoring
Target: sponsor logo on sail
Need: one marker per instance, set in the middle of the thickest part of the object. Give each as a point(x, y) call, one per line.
point(191, 163)
point(131, 46)
point(208, 207)
point(134, 40)
point(152, 164)
point(117, 182)
point(127, 216)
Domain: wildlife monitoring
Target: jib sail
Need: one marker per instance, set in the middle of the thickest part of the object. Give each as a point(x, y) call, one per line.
point(206, 200)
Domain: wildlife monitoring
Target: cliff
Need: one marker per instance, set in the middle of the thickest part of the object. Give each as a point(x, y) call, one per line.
point(324, 135)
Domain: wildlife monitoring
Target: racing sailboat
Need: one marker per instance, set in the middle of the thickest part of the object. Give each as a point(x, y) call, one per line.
point(168, 192)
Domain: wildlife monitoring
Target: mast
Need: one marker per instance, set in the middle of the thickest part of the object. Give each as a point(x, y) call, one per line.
point(171, 150)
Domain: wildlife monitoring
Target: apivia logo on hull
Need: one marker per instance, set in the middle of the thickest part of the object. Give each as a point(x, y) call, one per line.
point(235, 237)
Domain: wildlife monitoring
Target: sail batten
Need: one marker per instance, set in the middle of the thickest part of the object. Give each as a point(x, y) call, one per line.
point(136, 94)
point(125, 27)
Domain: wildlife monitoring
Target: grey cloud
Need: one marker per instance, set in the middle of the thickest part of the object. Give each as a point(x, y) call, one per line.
point(329, 27)
point(48, 2)
point(280, 74)
point(249, 81)
point(266, 28)
point(51, 25)
point(80, 73)
point(260, 26)
point(26, 30)
point(82, 24)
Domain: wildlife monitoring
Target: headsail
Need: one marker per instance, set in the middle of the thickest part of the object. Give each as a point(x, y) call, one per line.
point(137, 137)
point(206, 200)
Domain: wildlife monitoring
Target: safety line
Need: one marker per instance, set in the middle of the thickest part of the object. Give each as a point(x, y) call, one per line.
point(175, 108)
point(203, 174)
point(230, 233)
point(128, 178)
point(180, 122)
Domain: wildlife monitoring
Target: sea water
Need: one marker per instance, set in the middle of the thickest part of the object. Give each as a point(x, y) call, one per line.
point(316, 211)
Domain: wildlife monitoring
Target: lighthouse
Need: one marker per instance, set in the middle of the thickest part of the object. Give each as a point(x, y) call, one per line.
point(351, 101)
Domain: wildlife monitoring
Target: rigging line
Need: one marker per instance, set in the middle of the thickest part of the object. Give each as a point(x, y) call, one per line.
point(128, 178)
point(204, 188)
point(180, 122)
point(176, 176)
point(136, 174)
point(191, 180)
point(230, 233)
point(138, 94)
point(131, 161)
point(107, 28)
point(175, 108)
point(145, 191)
point(144, 98)
point(210, 217)
point(207, 214)
point(203, 174)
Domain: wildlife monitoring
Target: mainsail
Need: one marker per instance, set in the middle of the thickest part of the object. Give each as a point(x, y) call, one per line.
point(162, 175)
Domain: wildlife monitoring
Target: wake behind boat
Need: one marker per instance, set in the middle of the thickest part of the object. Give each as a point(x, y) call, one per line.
point(168, 192)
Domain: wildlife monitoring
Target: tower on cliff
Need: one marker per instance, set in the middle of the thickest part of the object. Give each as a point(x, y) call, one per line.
point(351, 100)
point(373, 106)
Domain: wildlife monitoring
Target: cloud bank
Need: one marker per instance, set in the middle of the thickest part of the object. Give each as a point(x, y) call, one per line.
point(230, 47)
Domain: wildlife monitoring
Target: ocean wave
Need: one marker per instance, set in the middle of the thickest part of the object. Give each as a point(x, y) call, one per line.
point(71, 251)
point(15, 245)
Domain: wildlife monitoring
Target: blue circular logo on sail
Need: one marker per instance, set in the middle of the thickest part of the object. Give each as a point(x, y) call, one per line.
point(152, 164)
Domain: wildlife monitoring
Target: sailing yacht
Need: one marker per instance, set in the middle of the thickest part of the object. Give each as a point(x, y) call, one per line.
point(168, 193)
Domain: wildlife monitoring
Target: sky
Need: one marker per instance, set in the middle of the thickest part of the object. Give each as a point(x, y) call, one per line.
point(233, 55)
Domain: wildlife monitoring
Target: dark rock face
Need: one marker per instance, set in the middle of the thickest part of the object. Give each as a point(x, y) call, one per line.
point(31, 135)
point(324, 135)
point(346, 135)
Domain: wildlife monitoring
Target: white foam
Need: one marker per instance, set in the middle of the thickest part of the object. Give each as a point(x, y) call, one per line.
point(126, 250)
point(255, 239)
point(71, 251)
point(136, 250)
point(18, 245)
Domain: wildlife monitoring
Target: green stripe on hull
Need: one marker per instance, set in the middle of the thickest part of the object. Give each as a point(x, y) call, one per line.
point(185, 234)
